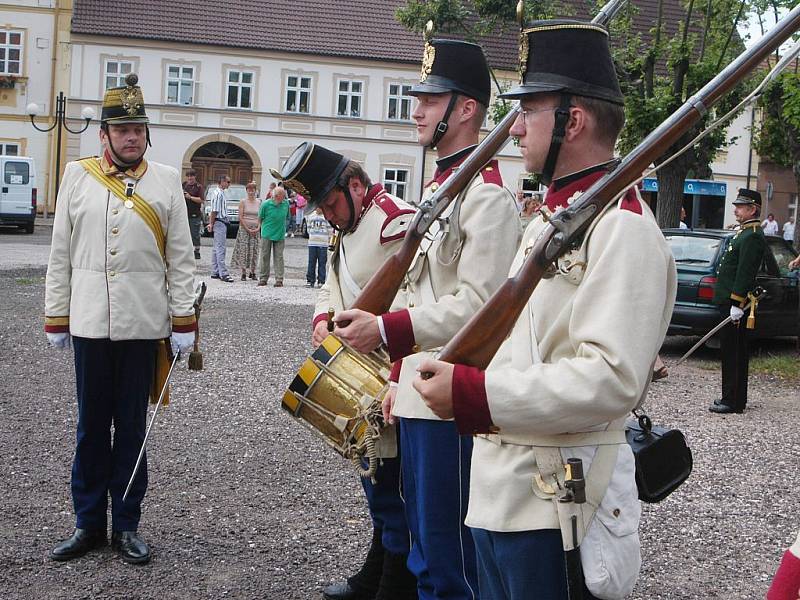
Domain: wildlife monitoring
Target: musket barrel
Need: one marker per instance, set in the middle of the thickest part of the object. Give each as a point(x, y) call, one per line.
point(478, 341)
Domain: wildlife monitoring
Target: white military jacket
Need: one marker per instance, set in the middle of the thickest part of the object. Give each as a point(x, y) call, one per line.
point(106, 277)
point(463, 261)
point(578, 359)
point(363, 251)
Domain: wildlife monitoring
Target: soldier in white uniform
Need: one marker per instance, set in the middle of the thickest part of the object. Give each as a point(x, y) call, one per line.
point(371, 223)
point(578, 358)
point(119, 281)
point(461, 263)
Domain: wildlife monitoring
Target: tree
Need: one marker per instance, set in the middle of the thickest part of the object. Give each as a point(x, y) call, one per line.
point(778, 136)
point(657, 73)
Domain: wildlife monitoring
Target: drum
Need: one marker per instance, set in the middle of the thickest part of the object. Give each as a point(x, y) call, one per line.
point(337, 393)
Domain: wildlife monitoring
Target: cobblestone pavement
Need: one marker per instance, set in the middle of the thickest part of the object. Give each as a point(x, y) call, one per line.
point(245, 504)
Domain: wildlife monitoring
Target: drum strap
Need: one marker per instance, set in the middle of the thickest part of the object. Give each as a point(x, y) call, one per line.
point(344, 273)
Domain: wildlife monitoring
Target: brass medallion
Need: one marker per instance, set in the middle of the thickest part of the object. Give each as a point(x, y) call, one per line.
point(132, 100)
point(298, 187)
point(428, 57)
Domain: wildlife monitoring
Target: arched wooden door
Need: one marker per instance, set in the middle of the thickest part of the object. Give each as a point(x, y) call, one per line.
point(222, 158)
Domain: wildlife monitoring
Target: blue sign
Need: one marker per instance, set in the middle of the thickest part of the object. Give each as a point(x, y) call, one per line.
point(691, 187)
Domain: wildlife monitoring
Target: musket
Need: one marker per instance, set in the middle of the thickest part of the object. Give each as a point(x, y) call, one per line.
point(478, 341)
point(150, 426)
point(377, 295)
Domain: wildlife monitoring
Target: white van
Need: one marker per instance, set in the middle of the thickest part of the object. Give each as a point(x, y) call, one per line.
point(17, 191)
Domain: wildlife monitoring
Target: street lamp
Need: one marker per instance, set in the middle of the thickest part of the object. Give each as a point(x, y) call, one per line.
point(61, 106)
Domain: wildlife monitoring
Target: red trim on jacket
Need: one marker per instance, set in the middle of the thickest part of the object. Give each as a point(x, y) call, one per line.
point(394, 375)
point(786, 583)
point(399, 334)
point(559, 197)
point(56, 328)
point(491, 173)
point(185, 328)
point(470, 405)
point(318, 318)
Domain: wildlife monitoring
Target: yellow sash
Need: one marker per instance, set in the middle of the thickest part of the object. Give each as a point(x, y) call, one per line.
point(140, 205)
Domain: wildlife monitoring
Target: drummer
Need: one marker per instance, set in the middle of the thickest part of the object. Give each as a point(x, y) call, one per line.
point(370, 224)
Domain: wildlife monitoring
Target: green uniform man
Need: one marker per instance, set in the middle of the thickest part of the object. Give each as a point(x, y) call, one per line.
point(736, 278)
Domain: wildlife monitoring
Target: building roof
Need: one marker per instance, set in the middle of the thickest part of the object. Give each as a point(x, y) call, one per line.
point(345, 28)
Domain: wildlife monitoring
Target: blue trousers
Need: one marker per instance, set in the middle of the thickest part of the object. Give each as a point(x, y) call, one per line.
point(435, 466)
point(317, 260)
point(386, 506)
point(522, 565)
point(113, 381)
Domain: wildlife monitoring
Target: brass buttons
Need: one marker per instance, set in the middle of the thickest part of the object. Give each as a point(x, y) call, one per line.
point(616, 512)
point(494, 429)
point(112, 252)
point(115, 230)
point(114, 211)
point(112, 273)
point(415, 348)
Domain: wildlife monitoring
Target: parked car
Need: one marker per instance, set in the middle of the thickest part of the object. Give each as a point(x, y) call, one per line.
point(697, 256)
point(233, 195)
point(18, 192)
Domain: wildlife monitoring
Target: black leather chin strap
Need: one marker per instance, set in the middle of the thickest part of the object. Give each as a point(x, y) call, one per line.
point(352, 220)
point(441, 126)
point(559, 130)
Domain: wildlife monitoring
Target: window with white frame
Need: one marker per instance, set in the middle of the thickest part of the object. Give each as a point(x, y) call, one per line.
point(240, 89)
point(180, 84)
point(298, 94)
point(116, 71)
point(350, 98)
point(9, 149)
point(10, 52)
point(395, 181)
point(399, 102)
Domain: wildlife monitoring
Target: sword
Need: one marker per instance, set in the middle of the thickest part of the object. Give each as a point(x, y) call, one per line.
point(759, 293)
point(150, 426)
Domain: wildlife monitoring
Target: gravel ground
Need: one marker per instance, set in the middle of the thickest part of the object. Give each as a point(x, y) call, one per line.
point(243, 503)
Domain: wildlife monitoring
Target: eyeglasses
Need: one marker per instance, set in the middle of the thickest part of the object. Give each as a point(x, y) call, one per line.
point(524, 112)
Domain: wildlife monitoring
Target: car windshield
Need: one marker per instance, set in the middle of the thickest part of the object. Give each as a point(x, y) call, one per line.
point(783, 255)
point(693, 250)
point(234, 193)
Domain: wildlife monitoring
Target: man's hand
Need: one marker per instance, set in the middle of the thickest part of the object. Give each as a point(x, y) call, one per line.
point(210, 227)
point(320, 333)
point(387, 404)
point(58, 340)
point(362, 331)
point(736, 314)
point(795, 264)
point(182, 342)
point(437, 392)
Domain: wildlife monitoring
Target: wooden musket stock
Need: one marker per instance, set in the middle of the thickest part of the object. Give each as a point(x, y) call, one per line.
point(478, 341)
point(376, 297)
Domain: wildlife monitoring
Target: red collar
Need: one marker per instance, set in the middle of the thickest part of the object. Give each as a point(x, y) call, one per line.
point(440, 176)
point(110, 168)
point(556, 198)
point(372, 193)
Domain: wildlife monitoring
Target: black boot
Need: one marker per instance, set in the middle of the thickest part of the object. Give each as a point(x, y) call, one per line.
point(364, 584)
point(79, 543)
point(397, 582)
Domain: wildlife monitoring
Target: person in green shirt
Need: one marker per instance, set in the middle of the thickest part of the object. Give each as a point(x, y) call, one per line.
point(272, 221)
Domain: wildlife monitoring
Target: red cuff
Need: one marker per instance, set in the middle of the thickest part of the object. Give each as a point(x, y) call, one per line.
point(786, 582)
point(318, 318)
point(470, 406)
point(399, 334)
point(184, 324)
point(56, 324)
point(395, 373)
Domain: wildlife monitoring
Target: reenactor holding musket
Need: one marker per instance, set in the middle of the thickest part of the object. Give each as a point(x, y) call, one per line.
point(579, 356)
point(736, 280)
point(119, 283)
point(462, 261)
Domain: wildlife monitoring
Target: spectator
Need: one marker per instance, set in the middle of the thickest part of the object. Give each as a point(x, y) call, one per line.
point(272, 220)
point(786, 583)
point(520, 200)
point(193, 194)
point(269, 191)
point(788, 230)
point(682, 223)
point(218, 225)
point(245, 251)
point(300, 205)
point(290, 216)
point(770, 226)
point(529, 208)
point(319, 232)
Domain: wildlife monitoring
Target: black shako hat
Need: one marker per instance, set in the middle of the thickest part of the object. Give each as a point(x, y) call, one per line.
point(566, 56)
point(454, 66)
point(312, 171)
point(746, 196)
point(124, 104)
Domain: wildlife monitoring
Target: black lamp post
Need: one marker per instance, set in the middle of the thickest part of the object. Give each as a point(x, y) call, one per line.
point(60, 123)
